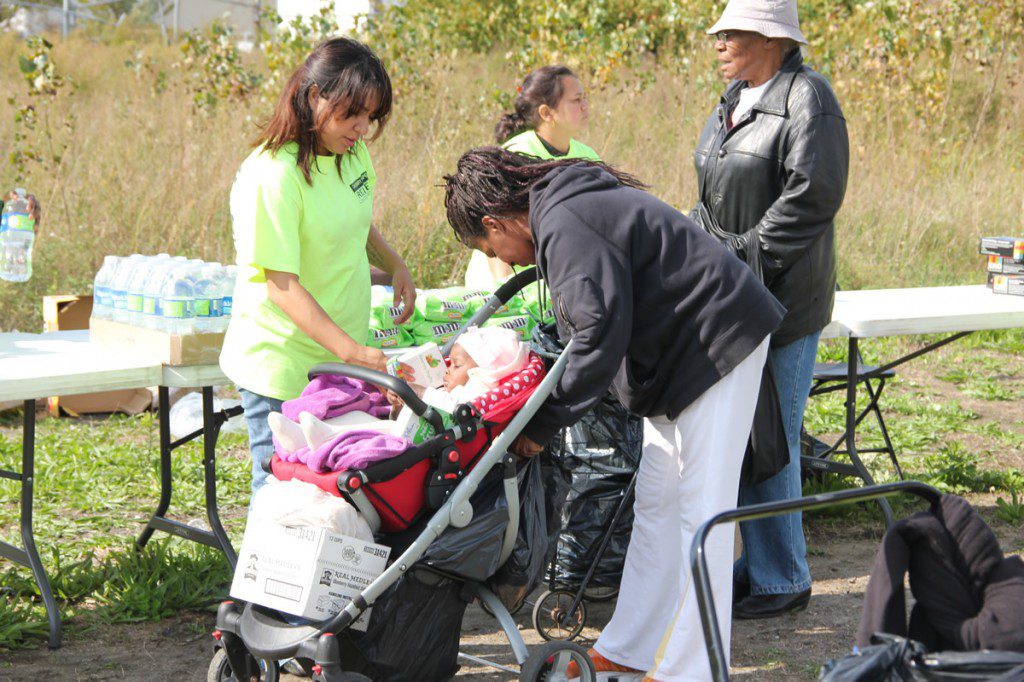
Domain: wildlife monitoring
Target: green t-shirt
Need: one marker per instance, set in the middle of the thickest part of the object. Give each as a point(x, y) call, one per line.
point(317, 232)
point(530, 143)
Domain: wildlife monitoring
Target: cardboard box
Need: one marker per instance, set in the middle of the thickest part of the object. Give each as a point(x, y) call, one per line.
point(167, 349)
point(1007, 247)
point(1008, 284)
point(305, 571)
point(66, 312)
point(1005, 266)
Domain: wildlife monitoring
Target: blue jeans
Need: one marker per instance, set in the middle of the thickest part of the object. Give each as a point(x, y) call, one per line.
point(774, 559)
point(261, 442)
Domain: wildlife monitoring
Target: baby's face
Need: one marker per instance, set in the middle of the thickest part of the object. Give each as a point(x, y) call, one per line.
point(458, 368)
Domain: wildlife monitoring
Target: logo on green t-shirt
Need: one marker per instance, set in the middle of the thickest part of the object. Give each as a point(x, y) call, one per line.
point(361, 187)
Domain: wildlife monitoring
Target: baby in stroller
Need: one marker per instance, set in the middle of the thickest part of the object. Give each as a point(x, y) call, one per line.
point(477, 363)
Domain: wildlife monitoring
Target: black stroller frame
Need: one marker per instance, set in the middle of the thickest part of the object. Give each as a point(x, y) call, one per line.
point(251, 639)
point(698, 561)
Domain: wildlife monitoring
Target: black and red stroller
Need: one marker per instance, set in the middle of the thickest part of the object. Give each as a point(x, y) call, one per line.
point(449, 508)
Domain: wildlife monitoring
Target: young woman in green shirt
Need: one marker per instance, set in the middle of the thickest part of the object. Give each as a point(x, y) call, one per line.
point(550, 111)
point(301, 207)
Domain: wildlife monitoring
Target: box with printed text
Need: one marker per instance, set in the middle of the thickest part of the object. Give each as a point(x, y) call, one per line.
point(305, 571)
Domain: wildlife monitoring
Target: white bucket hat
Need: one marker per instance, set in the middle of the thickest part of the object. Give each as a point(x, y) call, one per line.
point(770, 18)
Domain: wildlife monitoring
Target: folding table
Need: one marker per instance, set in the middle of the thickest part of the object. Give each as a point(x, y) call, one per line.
point(65, 363)
point(954, 311)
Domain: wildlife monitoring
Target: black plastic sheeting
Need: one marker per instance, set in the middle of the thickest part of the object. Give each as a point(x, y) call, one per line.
point(599, 455)
point(413, 633)
point(541, 496)
point(473, 552)
point(895, 659)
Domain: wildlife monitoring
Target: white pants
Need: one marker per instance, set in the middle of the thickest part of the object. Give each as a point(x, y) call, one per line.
point(690, 471)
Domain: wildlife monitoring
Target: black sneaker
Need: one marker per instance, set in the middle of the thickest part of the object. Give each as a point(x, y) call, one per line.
point(770, 605)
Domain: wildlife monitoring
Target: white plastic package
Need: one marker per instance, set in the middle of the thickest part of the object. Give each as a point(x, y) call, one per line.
point(297, 503)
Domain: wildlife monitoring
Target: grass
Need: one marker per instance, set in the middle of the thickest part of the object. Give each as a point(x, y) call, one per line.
point(97, 481)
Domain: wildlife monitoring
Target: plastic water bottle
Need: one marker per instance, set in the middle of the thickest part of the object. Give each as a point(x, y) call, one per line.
point(177, 300)
point(207, 301)
point(152, 289)
point(119, 286)
point(17, 235)
point(228, 294)
point(101, 303)
point(226, 291)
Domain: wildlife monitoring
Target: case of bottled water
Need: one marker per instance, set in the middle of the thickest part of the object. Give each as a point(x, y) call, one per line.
point(164, 292)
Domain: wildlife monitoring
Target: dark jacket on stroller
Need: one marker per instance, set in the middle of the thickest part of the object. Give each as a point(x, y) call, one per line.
point(969, 596)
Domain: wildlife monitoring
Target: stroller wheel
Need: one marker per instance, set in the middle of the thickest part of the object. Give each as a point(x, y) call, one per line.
point(220, 670)
point(552, 619)
point(600, 594)
point(549, 662)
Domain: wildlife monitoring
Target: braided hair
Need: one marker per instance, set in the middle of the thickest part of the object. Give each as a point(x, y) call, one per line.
point(493, 181)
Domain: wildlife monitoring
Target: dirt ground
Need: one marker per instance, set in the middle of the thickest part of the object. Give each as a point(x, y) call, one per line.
point(787, 648)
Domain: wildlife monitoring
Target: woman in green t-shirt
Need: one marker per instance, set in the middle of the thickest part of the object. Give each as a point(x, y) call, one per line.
point(551, 109)
point(301, 207)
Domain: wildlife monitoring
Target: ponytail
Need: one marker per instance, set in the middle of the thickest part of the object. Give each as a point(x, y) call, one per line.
point(509, 125)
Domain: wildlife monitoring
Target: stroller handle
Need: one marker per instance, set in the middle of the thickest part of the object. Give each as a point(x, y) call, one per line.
point(500, 297)
point(382, 380)
point(699, 565)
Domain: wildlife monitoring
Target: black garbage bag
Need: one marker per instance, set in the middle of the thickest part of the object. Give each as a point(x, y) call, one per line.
point(413, 633)
point(524, 569)
point(474, 551)
point(601, 454)
point(895, 659)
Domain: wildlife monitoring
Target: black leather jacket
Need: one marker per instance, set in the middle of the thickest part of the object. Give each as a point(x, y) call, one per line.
point(776, 180)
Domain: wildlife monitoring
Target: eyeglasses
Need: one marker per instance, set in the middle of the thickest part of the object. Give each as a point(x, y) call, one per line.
point(724, 36)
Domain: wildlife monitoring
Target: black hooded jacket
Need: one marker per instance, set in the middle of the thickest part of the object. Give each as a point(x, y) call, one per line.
point(658, 309)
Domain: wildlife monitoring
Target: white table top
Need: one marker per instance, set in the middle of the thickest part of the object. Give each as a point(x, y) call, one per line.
point(927, 310)
point(66, 363)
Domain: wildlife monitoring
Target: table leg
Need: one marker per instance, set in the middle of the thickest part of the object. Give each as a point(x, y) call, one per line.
point(28, 464)
point(211, 430)
point(852, 362)
point(166, 480)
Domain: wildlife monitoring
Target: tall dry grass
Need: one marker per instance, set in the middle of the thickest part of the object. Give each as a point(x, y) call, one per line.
point(145, 172)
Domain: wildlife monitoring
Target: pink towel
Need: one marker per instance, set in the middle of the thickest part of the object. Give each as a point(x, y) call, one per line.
point(329, 395)
point(351, 450)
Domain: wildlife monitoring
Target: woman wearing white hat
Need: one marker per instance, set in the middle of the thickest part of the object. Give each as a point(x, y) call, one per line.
point(772, 164)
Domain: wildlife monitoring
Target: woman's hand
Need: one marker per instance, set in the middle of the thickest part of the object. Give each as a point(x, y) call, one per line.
point(405, 292)
point(371, 358)
point(34, 211)
point(387, 259)
point(524, 447)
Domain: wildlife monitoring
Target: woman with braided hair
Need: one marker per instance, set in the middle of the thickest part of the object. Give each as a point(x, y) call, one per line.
point(677, 328)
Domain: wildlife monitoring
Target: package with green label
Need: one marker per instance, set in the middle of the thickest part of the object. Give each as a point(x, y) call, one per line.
point(385, 334)
point(416, 429)
point(438, 332)
point(382, 306)
point(534, 303)
point(445, 305)
point(521, 324)
point(478, 297)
